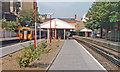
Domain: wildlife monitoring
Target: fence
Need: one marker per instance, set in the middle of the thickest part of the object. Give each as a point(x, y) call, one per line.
point(8, 34)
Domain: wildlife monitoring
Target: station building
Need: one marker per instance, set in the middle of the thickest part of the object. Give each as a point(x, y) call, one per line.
point(81, 30)
point(58, 28)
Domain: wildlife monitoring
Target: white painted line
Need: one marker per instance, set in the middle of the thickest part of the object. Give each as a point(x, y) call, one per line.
point(91, 56)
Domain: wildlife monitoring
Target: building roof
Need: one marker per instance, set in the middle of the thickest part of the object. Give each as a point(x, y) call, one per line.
point(85, 30)
point(60, 24)
point(68, 20)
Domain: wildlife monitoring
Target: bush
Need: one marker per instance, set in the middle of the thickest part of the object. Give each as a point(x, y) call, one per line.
point(59, 38)
point(43, 45)
point(29, 54)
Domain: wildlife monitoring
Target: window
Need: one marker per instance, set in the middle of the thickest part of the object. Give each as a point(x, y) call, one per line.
point(21, 31)
point(28, 32)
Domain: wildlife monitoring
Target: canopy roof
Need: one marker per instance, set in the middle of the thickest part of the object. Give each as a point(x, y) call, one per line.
point(59, 24)
point(85, 30)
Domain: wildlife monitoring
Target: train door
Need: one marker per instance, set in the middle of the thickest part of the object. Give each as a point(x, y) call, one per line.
point(25, 34)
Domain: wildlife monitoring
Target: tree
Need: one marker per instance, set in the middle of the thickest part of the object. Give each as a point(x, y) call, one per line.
point(9, 25)
point(103, 14)
point(27, 17)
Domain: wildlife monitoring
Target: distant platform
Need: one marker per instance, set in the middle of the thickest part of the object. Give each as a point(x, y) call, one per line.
point(106, 43)
point(7, 39)
point(102, 40)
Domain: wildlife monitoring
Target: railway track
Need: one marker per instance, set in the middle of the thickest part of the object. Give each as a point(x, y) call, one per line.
point(111, 55)
point(9, 42)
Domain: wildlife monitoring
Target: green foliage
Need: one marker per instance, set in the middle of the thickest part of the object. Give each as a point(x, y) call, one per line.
point(43, 45)
point(9, 25)
point(103, 14)
point(27, 17)
point(29, 54)
point(67, 32)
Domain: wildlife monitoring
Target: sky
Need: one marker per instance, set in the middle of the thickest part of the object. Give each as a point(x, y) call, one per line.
point(64, 9)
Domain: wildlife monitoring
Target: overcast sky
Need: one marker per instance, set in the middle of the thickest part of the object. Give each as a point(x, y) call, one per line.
point(64, 9)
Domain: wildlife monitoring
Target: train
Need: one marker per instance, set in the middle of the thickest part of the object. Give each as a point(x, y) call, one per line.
point(27, 33)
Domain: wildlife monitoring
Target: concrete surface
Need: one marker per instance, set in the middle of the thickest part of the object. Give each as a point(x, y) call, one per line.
point(74, 56)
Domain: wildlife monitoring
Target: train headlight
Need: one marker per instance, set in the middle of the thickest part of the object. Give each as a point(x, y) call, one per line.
point(20, 36)
point(29, 36)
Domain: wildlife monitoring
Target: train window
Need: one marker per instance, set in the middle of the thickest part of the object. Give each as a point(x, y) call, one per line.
point(28, 32)
point(21, 31)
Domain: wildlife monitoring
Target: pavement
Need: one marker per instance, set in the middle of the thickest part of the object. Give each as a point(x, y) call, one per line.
point(74, 56)
point(13, 48)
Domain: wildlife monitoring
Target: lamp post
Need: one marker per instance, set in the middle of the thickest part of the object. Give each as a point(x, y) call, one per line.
point(50, 24)
point(18, 29)
point(3, 29)
point(35, 45)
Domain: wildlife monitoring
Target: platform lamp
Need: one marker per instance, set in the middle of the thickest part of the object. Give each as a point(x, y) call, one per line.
point(3, 29)
point(50, 24)
point(35, 41)
point(18, 29)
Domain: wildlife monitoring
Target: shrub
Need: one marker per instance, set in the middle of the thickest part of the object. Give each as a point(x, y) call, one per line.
point(43, 45)
point(59, 38)
point(29, 54)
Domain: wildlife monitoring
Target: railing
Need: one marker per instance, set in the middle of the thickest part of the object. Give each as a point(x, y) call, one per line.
point(8, 34)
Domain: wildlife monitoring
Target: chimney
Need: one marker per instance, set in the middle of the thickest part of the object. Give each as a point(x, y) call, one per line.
point(45, 16)
point(75, 16)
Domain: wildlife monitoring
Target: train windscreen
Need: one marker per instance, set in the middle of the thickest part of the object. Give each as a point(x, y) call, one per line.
point(21, 31)
point(28, 32)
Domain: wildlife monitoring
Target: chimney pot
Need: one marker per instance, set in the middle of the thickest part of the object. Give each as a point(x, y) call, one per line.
point(75, 16)
point(45, 16)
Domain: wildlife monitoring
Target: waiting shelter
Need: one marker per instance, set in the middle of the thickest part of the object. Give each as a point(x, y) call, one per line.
point(85, 32)
point(58, 28)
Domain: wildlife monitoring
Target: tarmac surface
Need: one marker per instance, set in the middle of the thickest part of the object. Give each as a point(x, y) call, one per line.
point(73, 56)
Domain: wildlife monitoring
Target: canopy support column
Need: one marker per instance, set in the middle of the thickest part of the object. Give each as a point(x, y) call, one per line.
point(48, 35)
point(64, 34)
point(55, 33)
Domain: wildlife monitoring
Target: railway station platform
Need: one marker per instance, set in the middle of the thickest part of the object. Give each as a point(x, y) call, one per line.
point(16, 47)
point(73, 56)
point(106, 43)
point(7, 39)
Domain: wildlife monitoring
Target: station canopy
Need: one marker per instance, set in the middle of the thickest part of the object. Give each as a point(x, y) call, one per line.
point(58, 23)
